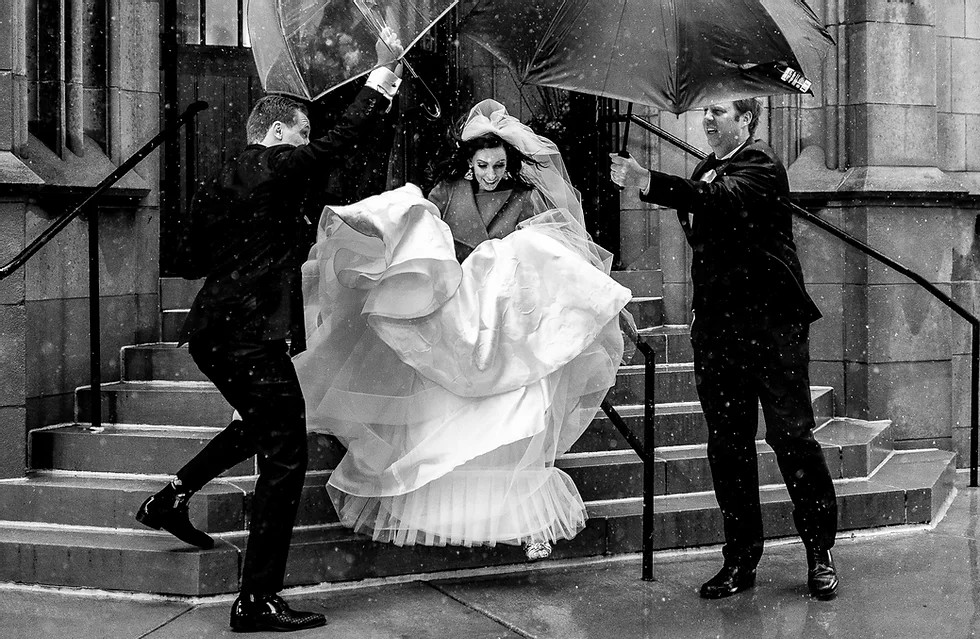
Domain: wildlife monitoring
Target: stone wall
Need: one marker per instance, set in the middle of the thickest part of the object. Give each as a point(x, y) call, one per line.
point(44, 325)
point(13, 317)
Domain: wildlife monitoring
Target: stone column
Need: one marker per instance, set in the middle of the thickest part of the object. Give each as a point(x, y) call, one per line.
point(13, 323)
point(958, 110)
point(894, 340)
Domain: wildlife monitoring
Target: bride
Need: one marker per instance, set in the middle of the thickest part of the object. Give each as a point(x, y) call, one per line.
point(457, 347)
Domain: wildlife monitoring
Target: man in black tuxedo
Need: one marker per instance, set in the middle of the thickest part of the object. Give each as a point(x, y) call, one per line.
point(750, 335)
point(238, 326)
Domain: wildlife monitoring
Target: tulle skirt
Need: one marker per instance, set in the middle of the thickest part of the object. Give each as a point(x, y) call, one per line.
point(454, 387)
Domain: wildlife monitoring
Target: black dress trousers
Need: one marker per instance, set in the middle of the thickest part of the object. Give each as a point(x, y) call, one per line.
point(259, 381)
point(736, 368)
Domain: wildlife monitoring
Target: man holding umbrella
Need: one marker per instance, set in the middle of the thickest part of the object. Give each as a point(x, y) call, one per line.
point(750, 335)
point(238, 326)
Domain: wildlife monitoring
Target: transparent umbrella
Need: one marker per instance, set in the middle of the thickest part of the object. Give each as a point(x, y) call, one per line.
point(306, 48)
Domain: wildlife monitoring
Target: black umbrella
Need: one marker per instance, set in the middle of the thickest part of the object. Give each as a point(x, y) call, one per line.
point(669, 54)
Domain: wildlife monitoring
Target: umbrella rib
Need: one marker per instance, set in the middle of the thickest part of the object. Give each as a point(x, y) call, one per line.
point(670, 63)
point(612, 49)
point(547, 34)
point(289, 52)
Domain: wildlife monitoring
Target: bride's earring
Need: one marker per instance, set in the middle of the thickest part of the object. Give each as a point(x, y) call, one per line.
point(507, 175)
point(469, 174)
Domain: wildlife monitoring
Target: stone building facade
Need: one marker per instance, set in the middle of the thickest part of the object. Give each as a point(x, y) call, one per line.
point(886, 148)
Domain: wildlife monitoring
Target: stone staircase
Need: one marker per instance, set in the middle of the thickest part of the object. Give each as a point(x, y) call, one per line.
point(70, 521)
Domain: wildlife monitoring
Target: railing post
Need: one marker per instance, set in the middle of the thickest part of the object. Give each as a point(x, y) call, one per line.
point(95, 343)
point(644, 449)
point(649, 413)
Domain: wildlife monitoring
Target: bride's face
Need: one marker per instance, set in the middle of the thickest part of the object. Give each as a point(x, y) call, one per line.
point(489, 166)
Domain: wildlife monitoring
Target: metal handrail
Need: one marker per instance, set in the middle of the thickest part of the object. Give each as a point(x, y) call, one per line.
point(95, 348)
point(884, 259)
point(21, 258)
point(645, 448)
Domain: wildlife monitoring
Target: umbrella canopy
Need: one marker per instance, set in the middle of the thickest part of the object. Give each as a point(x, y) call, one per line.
point(670, 54)
point(306, 48)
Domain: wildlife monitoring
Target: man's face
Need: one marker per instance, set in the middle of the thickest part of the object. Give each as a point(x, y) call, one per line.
point(297, 133)
point(725, 128)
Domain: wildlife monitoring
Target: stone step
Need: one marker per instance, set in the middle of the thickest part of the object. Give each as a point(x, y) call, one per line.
point(647, 312)
point(675, 383)
point(671, 344)
point(185, 403)
point(678, 423)
point(133, 561)
point(111, 499)
point(166, 361)
point(642, 283)
point(908, 488)
point(178, 293)
point(852, 448)
point(145, 449)
point(158, 361)
point(171, 320)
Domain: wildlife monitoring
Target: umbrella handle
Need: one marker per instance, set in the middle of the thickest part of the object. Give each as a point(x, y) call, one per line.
point(431, 112)
point(623, 153)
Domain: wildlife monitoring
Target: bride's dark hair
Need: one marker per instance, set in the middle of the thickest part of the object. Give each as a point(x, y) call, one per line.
point(458, 163)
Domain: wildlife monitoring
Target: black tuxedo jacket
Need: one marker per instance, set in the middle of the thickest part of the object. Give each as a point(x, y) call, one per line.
point(261, 239)
point(745, 269)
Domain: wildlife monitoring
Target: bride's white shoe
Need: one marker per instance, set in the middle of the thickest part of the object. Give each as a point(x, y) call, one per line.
point(537, 550)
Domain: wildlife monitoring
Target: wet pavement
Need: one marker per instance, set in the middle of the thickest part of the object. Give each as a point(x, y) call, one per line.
point(919, 582)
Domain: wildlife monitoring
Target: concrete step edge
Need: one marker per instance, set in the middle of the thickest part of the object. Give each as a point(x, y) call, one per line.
point(155, 385)
point(646, 298)
point(666, 367)
point(665, 329)
point(633, 506)
point(112, 428)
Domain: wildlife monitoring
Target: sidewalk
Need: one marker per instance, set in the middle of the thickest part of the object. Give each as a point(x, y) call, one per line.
point(913, 582)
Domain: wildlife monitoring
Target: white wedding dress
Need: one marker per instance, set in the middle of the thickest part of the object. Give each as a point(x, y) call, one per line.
point(455, 386)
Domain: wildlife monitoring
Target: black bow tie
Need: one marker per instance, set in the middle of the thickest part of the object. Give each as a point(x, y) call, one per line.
point(710, 163)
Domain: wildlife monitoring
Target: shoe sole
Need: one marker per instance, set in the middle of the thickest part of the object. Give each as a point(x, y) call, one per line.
point(150, 521)
point(721, 594)
point(262, 627)
point(825, 596)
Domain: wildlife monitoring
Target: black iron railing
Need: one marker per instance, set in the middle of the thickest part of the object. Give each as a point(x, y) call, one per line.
point(93, 248)
point(645, 447)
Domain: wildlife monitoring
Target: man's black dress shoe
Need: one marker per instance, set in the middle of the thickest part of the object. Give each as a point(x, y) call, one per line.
point(168, 510)
point(821, 576)
point(732, 579)
point(270, 613)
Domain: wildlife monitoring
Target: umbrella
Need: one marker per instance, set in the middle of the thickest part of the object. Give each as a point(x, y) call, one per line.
point(306, 48)
point(669, 54)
